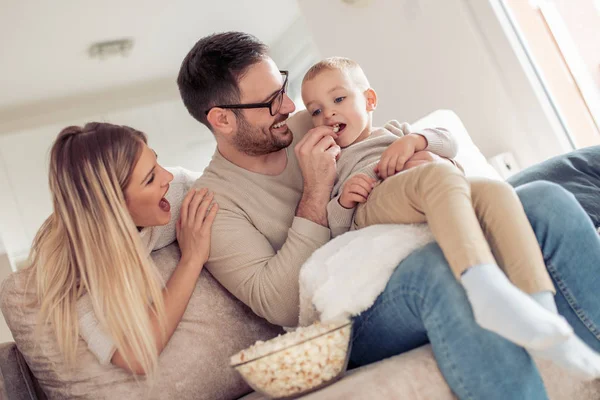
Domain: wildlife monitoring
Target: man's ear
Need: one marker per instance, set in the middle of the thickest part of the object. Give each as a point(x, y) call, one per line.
point(221, 120)
point(371, 97)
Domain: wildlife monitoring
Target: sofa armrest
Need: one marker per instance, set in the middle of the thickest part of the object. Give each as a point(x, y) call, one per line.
point(16, 380)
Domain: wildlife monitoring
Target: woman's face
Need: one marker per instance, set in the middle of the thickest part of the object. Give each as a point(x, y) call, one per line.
point(145, 193)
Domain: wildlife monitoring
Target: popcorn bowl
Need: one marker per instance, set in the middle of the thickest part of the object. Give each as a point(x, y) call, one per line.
point(298, 362)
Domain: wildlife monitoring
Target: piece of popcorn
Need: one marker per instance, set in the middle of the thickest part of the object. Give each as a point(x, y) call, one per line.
point(336, 128)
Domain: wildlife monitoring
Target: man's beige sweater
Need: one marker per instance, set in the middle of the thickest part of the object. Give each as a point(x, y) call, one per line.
point(258, 244)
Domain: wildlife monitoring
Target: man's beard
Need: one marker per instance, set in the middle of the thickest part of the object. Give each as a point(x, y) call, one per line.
point(256, 142)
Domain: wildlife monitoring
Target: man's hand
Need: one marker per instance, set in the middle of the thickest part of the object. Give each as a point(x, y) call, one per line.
point(356, 190)
point(422, 157)
point(398, 153)
point(317, 153)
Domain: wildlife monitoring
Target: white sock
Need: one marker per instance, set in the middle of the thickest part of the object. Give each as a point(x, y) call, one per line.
point(546, 300)
point(501, 307)
point(572, 354)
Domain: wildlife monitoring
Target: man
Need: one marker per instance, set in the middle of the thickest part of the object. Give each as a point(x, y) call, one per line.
point(273, 216)
point(285, 222)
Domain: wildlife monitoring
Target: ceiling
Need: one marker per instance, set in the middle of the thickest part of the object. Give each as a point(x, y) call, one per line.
point(44, 44)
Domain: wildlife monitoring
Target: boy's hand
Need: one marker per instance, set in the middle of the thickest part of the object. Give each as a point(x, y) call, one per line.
point(356, 190)
point(398, 153)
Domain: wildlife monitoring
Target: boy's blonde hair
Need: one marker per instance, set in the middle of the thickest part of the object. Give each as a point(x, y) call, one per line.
point(342, 64)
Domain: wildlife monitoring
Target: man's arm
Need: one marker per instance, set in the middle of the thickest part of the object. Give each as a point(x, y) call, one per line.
point(317, 153)
point(313, 205)
point(243, 261)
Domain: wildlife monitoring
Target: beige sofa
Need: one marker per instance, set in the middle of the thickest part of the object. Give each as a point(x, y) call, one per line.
point(215, 325)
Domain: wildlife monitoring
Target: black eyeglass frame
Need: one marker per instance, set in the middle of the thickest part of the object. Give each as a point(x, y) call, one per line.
point(268, 104)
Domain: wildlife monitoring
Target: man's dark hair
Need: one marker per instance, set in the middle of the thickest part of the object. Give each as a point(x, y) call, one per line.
point(210, 72)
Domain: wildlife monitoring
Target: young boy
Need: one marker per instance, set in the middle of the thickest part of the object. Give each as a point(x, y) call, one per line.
point(378, 182)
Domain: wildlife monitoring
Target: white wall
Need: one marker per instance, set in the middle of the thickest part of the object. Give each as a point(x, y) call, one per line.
point(25, 199)
point(154, 107)
point(422, 55)
point(296, 52)
point(12, 232)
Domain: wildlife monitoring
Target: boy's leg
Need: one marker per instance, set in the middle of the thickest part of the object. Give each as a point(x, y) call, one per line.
point(440, 194)
point(436, 193)
point(509, 234)
point(422, 302)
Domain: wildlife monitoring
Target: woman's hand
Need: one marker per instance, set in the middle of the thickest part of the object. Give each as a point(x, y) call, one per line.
point(194, 226)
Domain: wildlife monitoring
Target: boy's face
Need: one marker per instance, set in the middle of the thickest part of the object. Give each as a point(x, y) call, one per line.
point(332, 98)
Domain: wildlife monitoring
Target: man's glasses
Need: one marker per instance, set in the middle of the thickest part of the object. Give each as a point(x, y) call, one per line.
point(273, 105)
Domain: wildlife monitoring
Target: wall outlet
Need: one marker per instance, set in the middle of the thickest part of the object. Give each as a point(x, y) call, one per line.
point(505, 164)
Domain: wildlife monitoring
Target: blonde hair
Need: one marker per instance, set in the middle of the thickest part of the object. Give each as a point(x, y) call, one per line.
point(89, 244)
point(345, 65)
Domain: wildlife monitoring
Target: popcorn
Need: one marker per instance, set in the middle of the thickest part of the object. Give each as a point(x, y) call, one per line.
point(296, 362)
point(336, 128)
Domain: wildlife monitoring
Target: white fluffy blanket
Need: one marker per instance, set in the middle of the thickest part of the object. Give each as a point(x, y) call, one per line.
point(345, 277)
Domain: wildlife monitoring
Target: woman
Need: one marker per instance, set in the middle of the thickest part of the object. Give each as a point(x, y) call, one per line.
point(89, 260)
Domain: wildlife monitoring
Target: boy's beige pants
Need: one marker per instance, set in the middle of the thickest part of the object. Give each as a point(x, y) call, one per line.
point(467, 216)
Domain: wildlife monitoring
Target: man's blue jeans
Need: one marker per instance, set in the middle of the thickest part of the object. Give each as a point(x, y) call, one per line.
point(423, 303)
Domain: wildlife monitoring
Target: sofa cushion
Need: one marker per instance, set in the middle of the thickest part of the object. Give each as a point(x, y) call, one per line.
point(193, 365)
point(469, 156)
point(578, 172)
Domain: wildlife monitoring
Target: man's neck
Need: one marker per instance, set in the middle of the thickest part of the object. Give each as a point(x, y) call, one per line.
point(268, 164)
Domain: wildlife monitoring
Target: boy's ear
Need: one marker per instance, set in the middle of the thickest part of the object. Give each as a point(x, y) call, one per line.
point(222, 120)
point(371, 97)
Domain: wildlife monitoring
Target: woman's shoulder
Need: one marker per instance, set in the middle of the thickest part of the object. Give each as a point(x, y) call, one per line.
point(17, 289)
